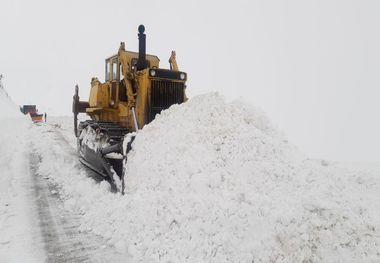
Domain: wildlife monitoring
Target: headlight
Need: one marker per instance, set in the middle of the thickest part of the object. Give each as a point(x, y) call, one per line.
point(153, 73)
point(182, 76)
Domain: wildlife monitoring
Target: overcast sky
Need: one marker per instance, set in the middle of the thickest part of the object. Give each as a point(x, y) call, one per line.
point(312, 66)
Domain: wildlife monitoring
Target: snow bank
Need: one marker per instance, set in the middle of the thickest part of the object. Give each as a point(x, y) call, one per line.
point(18, 232)
point(8, 108)
point(210, 181)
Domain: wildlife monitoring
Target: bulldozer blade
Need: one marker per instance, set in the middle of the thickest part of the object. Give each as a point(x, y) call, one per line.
point(102, 165)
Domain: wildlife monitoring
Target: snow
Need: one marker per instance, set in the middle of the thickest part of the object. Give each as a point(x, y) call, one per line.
point(93, 140)
point(210, 181)
point(19, 233)
point(207, 181)
point(8, 108)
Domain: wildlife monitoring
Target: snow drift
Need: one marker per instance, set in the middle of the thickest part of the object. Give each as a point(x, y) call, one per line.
point(210, 181)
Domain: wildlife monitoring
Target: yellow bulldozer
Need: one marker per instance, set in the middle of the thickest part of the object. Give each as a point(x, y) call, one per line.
point(135, 90)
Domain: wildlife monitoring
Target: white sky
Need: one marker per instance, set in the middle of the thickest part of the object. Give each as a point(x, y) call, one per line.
point(312, 66)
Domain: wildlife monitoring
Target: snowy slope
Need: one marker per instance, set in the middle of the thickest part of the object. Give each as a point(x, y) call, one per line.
point(19, 233)
point(210, 181)
point(8, 108)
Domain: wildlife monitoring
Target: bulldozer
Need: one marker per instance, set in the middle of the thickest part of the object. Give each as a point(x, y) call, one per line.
point(135, 90)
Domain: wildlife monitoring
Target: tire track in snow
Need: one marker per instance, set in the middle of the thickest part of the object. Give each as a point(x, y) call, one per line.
point(50, 236)
point(63, 242)
point(59, 230)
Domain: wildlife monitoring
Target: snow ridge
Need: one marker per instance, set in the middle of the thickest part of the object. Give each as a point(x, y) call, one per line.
point(8, 107)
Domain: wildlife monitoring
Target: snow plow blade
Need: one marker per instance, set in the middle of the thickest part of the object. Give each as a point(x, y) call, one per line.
point(100, 146)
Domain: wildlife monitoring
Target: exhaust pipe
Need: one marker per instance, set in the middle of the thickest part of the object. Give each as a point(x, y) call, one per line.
point(141, 62)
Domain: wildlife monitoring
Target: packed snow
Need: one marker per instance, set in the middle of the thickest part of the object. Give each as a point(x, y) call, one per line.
point(206, 181)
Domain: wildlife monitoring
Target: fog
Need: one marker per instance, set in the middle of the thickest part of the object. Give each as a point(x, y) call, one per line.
point(312, 66)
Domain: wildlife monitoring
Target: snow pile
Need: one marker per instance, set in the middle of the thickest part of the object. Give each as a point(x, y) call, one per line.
point(210, 181)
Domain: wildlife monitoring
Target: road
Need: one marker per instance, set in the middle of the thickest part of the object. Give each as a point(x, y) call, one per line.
point(62, 239)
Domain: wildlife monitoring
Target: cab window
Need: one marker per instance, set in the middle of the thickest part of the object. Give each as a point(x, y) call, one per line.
point(115, 69)
point(108, 68)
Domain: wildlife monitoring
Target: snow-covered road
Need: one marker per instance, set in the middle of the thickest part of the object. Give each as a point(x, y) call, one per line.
point(35, 223)
point(63, 240)
point(38, 227)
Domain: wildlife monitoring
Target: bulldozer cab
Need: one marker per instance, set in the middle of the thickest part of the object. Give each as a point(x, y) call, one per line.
point(133, 81)
point(112, 72)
